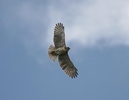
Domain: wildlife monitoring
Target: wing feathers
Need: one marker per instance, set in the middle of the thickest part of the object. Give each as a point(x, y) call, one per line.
point(67, 65)
point(59, 35)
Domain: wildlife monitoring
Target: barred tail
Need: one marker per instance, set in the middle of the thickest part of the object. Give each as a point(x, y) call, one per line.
point(51, 53)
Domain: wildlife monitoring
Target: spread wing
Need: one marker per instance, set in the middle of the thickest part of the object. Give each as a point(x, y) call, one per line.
point(67, 65)
point(59, 35)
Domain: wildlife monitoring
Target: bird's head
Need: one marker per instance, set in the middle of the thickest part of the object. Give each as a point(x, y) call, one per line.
point(67, 48)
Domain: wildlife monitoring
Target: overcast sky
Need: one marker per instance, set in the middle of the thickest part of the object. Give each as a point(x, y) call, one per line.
point(97, 31)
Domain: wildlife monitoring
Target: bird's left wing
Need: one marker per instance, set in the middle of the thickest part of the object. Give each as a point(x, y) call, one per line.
point(67, 65)
point(59, 35)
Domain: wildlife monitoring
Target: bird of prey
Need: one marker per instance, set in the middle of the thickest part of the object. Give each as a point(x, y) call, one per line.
point(61, 51)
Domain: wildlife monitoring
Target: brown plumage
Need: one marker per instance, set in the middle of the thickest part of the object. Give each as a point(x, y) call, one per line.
point(61, 51)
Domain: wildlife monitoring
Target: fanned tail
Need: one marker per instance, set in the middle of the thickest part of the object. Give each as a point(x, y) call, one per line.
point(51, 53)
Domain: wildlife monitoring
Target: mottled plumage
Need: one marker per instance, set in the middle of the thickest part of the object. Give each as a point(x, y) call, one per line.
point(61, 51)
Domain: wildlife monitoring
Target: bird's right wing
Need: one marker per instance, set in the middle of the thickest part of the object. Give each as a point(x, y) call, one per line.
point(67, 65)
point(59, 36)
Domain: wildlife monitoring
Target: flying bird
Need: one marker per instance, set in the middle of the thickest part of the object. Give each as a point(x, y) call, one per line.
point(60, 51)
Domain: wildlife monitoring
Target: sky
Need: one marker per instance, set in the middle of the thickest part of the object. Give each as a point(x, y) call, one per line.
point(97, 33)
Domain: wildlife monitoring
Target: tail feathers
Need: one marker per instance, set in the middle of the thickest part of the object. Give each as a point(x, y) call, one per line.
point(51, 53)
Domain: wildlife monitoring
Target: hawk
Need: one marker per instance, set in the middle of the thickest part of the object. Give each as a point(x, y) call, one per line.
point(61, 51)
